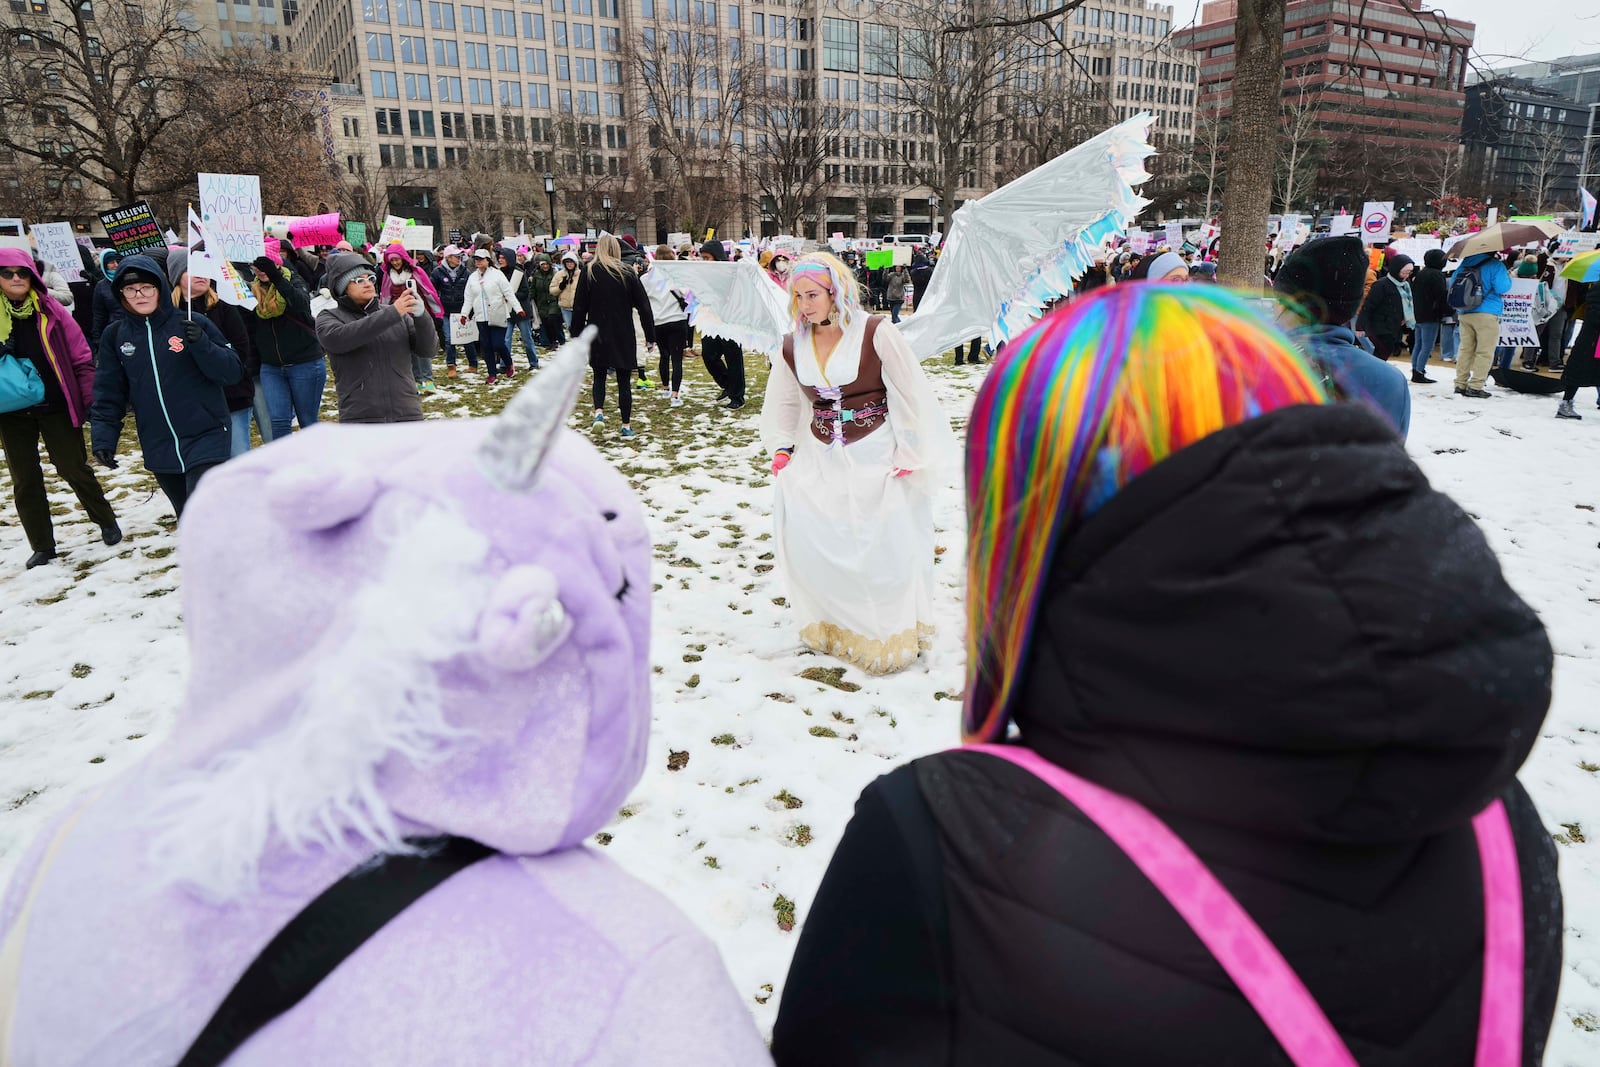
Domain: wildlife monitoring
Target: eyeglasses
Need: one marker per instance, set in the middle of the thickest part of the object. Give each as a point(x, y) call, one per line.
point(139, 291)
point(364, 279)
point(13, 273)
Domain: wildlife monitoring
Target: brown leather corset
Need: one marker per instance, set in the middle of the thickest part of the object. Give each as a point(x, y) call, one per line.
point(862, 404)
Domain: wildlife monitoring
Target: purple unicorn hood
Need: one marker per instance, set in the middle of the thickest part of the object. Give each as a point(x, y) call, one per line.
point(427, 651)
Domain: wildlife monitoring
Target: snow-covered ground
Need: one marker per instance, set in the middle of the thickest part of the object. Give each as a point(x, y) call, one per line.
point(759, 748)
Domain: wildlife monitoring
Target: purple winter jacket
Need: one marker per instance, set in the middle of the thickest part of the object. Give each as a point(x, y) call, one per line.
point(498, 691)
point(64, 343)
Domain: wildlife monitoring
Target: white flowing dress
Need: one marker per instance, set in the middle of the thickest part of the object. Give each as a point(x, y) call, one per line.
point(854, 544)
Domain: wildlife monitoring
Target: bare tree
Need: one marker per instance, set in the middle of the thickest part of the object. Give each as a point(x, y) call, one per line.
point(787, 146)
point(693, 101)
point(1209, 154)
point(493, 178)
point(1301, 142)
point(1047, 113)
point(1439, 170)
point(1552, 161)
point(118, 86)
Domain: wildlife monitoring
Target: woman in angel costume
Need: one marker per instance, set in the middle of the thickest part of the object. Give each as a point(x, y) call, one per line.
point(858, 441)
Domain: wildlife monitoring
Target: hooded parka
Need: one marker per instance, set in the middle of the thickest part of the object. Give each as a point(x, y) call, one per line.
point(1234, 642)
point(174, 385)
point(371, 347)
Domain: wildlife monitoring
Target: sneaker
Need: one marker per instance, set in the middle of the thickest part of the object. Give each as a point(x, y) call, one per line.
point(1565, 411)
point(1418, 378)
point(627, 431)
point(450, 371)
point(39, 559)
point(1557, 368)
point(1529, 366)
point(599, 417)
point(734, 405)
point(111, 533)
point(721, 397)
point(1476, 394)
point(676, 402)
point(427, 386)
point(492, 380)
point(511, 372)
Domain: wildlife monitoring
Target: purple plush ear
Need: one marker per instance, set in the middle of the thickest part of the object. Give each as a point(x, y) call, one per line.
point(319, 498)
point(523, 621)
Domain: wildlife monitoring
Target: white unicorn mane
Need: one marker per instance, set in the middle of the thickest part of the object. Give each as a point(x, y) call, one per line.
point(371, 693)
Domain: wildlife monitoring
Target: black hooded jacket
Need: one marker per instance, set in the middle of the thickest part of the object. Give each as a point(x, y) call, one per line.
point(1383, 316)
point(1235, 642)
point(1430, 289)
point(174, 385)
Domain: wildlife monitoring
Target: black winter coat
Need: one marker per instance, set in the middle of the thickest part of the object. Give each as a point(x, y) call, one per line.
point(1430, 295)
point(608, 302)
point(174, 386)
point(291, 338)
point(1233, 641)
point(452, 285)
point(1383, 316)
point(1583, 363)
point(105, 309)
point(228, 319)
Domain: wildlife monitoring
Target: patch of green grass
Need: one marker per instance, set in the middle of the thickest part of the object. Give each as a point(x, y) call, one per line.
point(1587, 1021)
point(821, 731)
point(690, 657)
point(81, 670)
point(833, 676)
point(603, 839)
point(1585, 765)
point(765, 993)
point(39, 694)
point(788, 799)
point(693, 682)
point(98, 759)
point(784, 908)
point(1574, 833)
point(723, 739)
point(711, 861)
point(798, 835)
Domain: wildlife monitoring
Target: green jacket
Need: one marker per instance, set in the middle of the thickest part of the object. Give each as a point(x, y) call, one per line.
point(547, 303)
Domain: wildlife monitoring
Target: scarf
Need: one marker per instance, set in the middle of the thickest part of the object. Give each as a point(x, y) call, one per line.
point(269, 301)
point(10, 312)
point(1407, 307)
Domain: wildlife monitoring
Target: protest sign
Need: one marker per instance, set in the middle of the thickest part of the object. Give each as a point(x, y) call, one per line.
point(1341, 226)
point(1574, 243)
point(56, 247)
point(316, 230)
point(1174, 235)
point(132, 227)
point(1288, 231)
point(1140, 242)
point(1377, 219)
point(902, 255)
point(278, 225)
point(355, 233)
point(677, 240)
point(416, 238)
point(394, 228)
point(230, 285)
point(883, 257)
point(11, 227)
point(1516, 314)
point(230, 207)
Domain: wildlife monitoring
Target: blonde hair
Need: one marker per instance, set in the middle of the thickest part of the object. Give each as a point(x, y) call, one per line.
point(841, 284)
point(608, 256)
point(665, 252)
point(207, 302)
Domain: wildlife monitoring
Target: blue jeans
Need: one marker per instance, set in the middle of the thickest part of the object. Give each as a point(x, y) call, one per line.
point(1502, 356)
point(1422, 345)
point(525, 330)
point(1449, 341)
point(496, 350)
point(293, 392)
point(566, 319)
point(239, 432)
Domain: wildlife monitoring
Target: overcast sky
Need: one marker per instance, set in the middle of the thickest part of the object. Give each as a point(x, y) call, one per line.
point(1509, 31)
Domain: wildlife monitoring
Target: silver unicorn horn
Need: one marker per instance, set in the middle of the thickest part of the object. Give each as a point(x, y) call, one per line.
point(512, 453)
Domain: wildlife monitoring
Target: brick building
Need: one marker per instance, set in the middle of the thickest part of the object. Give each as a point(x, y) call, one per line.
point(1376, 89)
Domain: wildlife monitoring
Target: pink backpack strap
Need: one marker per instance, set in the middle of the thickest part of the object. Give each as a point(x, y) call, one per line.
point(1254, 963)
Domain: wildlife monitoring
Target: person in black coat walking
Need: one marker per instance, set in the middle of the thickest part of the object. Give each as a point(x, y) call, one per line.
point(189, 289)
point(972, 914)
point(609, 292)
point(724, 359)
point(172, 372)
point(105, 303)
point(1388, 310)
point(1583, 365)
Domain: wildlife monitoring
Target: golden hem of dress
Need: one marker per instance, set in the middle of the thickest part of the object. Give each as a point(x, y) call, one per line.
point(867, 653)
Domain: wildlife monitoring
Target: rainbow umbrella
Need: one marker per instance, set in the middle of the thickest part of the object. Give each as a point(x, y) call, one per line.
point(1584, 268)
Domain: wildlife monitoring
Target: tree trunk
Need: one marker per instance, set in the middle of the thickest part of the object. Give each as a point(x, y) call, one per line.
point(1253, 140)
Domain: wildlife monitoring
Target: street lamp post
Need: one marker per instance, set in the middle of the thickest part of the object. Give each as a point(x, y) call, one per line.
point(933, 214)
point(605, 202)
point(550, 194)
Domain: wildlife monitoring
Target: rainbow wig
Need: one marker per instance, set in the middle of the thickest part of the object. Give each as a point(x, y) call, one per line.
point(830, 272)
point(1075, 408)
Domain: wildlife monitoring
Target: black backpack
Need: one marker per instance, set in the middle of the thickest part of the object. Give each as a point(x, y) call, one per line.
point(1466, 289)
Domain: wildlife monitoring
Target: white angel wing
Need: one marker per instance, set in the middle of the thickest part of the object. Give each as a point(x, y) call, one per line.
point(736, 301)
point(1013, 251)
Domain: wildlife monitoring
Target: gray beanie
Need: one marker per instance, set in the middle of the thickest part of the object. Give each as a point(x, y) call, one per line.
point(343, 268)
point(177, 264)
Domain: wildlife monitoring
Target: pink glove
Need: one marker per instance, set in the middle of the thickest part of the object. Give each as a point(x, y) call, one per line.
point(780, 460)
point(898, 472)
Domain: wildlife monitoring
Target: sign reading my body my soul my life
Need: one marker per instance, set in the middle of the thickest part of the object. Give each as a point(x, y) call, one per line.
point(230, 207)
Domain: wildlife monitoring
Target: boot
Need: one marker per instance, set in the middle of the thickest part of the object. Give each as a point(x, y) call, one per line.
point(111, 534)
point(1418, 378)
point(1565, 411)
point(39, 559)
